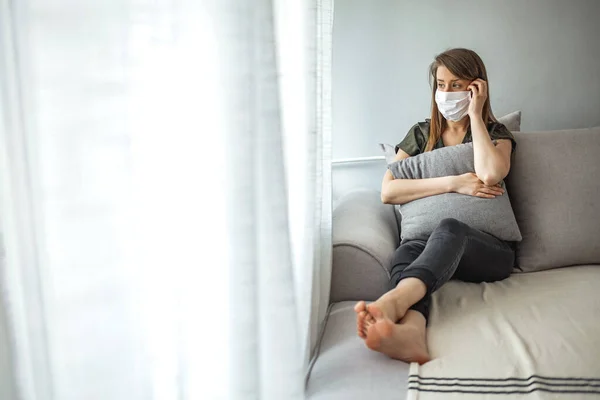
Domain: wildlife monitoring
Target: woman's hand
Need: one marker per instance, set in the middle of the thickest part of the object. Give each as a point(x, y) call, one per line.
point(480, 92)
point(471, 185)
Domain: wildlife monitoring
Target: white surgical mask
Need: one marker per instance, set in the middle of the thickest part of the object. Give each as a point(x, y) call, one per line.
point(453, 105)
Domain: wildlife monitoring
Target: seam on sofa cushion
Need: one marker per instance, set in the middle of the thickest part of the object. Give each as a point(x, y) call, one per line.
point(366, 251)
point(318, 347)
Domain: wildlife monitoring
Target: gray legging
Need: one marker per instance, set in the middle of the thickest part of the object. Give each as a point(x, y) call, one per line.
point(453, 250)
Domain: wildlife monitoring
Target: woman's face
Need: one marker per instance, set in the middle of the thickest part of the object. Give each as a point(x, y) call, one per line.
point(448, 82)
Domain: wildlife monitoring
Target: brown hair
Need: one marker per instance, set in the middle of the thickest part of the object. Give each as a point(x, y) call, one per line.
point(465, 64)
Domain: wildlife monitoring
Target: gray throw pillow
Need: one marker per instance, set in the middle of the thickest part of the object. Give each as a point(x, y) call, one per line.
point(389, 152)
point(512, 121)
point(420, 217)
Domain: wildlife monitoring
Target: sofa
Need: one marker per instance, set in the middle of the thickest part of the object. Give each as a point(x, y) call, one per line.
point(535, 335)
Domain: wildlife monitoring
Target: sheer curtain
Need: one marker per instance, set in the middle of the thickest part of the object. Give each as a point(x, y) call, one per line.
point(165, 196)
point(305, 86)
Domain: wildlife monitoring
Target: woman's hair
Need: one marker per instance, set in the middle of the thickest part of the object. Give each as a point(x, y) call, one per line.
point(465, 64)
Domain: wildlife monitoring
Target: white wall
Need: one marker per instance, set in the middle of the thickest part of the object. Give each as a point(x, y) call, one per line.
point(542, 56)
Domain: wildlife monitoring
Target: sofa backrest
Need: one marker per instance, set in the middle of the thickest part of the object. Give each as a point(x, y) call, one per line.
point(554, 187)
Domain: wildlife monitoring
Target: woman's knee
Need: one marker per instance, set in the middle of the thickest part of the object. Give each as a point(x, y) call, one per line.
point(451, 225)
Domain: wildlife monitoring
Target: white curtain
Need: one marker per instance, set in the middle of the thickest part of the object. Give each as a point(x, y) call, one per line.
point(305, 78)
point(165, 198)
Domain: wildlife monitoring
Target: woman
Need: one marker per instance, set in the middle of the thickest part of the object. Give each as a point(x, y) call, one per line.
point(395, 324)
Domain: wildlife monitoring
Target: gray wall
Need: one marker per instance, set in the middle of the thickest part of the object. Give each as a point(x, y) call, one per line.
point(542, 56)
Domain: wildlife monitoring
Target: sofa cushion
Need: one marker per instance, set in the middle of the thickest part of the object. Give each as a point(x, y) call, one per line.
point(345, 369)
point(555, 192)
point(420, 217)
point(533, 332)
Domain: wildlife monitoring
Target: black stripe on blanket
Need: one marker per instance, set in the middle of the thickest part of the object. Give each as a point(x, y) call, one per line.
point(504, 386)
point(504, 379)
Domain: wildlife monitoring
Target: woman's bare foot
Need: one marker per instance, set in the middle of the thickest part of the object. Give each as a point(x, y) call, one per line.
point(405, 341)
point(363, 319)
point(392, 306)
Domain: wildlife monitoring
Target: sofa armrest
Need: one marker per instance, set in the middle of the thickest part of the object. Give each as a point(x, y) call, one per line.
point(365, 236)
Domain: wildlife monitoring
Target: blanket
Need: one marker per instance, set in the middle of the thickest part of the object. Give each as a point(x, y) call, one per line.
point(532, 336)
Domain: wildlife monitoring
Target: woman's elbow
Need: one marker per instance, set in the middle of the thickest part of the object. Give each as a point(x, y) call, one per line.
point(493, 175)
point(490, 179)
point(385, 196)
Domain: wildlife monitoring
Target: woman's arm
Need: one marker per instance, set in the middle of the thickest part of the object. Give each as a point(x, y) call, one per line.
point(492, 163)
point(401, 191)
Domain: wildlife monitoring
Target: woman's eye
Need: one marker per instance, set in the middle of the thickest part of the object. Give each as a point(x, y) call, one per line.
point(440, 85)
point(456, 85)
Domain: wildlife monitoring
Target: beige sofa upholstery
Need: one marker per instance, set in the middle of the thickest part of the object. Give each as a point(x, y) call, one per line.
point(535, 335)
